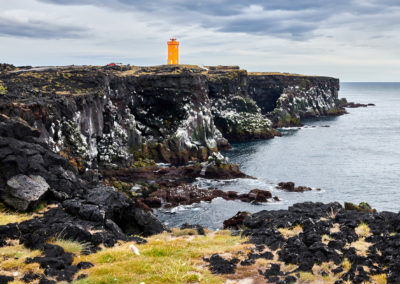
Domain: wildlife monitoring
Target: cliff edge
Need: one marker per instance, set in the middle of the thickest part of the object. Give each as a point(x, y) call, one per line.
point(110, 117)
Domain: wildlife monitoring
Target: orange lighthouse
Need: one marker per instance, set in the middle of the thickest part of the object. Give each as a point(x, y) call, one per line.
point(173, 51)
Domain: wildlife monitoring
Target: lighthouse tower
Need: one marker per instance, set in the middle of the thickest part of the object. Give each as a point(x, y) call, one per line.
point(173, 51)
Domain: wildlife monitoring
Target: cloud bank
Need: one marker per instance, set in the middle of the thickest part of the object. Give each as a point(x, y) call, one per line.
point(356, 40)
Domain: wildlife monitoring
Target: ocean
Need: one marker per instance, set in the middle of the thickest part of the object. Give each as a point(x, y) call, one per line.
point(354, 157)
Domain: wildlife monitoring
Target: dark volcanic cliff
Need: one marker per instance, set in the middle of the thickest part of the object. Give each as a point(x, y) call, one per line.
point(235, 113)
point(246, 106)
point(290, 97)
point(113, 116)
point(107, 117)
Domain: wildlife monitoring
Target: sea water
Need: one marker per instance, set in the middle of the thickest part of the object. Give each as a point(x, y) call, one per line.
point(354, 157)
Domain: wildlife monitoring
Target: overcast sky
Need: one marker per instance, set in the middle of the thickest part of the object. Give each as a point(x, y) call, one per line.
point(354, 40)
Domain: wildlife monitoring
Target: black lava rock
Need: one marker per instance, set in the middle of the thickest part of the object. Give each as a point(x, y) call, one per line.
point(219, 265)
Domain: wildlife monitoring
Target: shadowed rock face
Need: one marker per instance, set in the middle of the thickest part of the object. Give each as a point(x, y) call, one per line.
point(84, 200)
point(288, 98)
point(246, 106)
point(235, 113)
point(110, 117)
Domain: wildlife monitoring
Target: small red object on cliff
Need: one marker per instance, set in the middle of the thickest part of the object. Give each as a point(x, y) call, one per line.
point(111, 64)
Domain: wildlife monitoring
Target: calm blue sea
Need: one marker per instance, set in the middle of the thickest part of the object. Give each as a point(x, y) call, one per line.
point(356, 158)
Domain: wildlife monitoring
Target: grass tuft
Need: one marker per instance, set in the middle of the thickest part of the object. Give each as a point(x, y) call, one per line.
point(325, 239)
point(346, 264)
point(361, 247)
point(332, 214)
point(12, 259)
point(379, 279)
point(335, 228)
point(185, 232)
point(363, 230)
point(70, 246)
point(291, 232)
point(8, 215)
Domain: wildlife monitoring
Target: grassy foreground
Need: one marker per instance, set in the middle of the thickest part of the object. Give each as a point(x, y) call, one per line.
point(174, 257)
point(166, 258)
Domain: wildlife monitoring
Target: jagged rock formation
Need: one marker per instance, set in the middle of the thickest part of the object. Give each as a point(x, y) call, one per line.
point(235, 113)
point(58, 125)
point(83, 209)
point(287, 98)
point(248, 106)
point(99, 116)
point(89, 203)
point(110, 117)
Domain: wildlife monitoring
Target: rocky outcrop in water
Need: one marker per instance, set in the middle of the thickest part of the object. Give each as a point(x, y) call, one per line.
point(290, 187)
point(188, 194)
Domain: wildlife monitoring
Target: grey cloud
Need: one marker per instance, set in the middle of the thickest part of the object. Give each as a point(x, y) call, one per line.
point(228, 15)
point(295, 30)
point(39, 29)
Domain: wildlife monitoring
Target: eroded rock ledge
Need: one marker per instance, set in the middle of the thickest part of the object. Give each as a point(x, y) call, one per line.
point(113, 116)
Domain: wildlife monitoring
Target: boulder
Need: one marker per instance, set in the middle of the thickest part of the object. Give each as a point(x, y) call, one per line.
point(260, 195)
point(236, 222)
point(290, 187)
point(362, 207)
point(25, 192)
point(219, 265)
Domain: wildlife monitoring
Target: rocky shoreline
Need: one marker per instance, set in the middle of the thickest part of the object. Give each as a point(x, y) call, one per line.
point(101, 146)
point(322, 241)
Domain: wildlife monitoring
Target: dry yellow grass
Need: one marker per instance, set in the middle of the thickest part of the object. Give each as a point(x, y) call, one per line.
point(12, 260)
point(291, 232)
point(346, 264)
point(362, 230)
point(332, 213)
point(325, 239)
point(177, 232)
point(8, 216)
point(310, 278)
point(74, 247)
point(335, 228)
point(361, 247)
point(159, 69)
point(324, 268)
point(164, 259)
point(379, 279)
